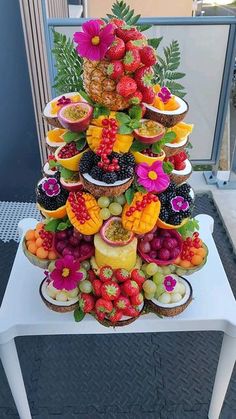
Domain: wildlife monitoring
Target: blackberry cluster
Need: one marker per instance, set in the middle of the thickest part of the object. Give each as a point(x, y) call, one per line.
point(167, 213)
point(89, 164)
point(51, 202)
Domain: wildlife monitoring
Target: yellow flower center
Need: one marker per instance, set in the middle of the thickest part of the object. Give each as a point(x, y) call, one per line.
point(152, 175)
point(95, 40)
point(65, 272)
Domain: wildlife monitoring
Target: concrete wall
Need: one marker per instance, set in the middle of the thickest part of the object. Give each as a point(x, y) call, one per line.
point(146, 8)
point(19, 153)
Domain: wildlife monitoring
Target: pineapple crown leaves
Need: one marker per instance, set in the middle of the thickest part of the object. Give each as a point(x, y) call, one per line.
point(165, 69)
point(120, 10)
point(68, 64)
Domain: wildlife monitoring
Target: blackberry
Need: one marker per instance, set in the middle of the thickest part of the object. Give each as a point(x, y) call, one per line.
point(51, 202)
point(186, 214)
point(164, 214)
point(110, 177)
point(96, 159)
point(169, 195)
point(128, 160)
point(163, 198)
point(96, 173)
point(184, 190)
point(115, 155)
point(86, 162)
point(57, 176)
point(125, 173)
point(175, 219)
point(172, 187)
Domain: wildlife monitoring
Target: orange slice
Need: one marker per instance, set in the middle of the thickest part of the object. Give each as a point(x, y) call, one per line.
point(58, 213)
point(55, 135)
point(182, 130)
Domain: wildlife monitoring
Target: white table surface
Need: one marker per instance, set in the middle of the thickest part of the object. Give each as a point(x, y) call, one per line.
point(24, 313)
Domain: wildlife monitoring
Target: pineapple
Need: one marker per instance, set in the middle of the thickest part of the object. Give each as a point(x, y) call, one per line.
point(115, 256)
point(100, 87)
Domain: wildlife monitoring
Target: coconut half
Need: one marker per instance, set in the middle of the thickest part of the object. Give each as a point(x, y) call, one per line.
point(59, 306)
point(52, 118)
point(187, 170)
point(47, 171)
point(99, 188)
point(175, 148)
point(168, 118)
point(180, 176)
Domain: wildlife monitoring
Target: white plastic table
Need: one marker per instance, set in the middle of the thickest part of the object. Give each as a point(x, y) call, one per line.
point(23, 313)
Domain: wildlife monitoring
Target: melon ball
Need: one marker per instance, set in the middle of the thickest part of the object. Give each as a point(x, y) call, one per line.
point(165, 298)
point(176, 297)
point(32, 248)
point(51, 290)
point(73, 293)
point(160, 290)
point(180, 288)
point(61, 296)
point(30, 235)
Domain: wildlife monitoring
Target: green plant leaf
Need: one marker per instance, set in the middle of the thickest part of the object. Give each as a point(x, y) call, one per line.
point(169, 136)
point(129, 195)
point(86, 97)
point(135, 112)
point(188, 228)
point(121, 10)
point(70, 136)
point(167, 167)
point(66, 173)
point(135, 124)
point(100, 110)
point(140, 188)
point(51, 224)
point(78, 314)
point(155, 42)
point(80, 144)
point(156, 147)
point(138, 146)
point(62, 226)
point(122, 118)
point(53, 163)
point(125, 129)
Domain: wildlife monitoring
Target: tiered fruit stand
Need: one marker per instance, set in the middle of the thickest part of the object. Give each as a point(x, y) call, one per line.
point(117, 237)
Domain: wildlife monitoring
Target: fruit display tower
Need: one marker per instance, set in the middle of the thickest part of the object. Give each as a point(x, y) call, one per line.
point(117, 237)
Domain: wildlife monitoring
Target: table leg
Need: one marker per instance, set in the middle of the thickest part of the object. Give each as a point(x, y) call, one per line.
point(223, 375)
point(11, 365)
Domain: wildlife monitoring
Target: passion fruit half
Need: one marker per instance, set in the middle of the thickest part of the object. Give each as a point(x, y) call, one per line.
point(149, 132)
point(114, 233)
point(75, 117)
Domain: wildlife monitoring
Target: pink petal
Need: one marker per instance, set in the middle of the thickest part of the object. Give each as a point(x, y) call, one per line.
point(81, 37)
point(93, 53)
point(157, 167)
point(69, 285)
point(58, 284)
point(68, 261)
point(59, 264)
point(142, 170)
point(56, 275)
point(102, 50)
point(106, 31)
point(92, 28)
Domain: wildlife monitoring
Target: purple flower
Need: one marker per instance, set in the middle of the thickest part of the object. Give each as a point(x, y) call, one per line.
point(164, 94)
point(169, 283)
point(95, 40)
point(65, 275)
point(63, 101)
point(179, 204)
point(51, 187)
point(152, 178)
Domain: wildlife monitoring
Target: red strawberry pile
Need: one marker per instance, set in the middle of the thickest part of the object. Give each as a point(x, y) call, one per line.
point(115, 294)
point(131, 60)
point(178, 160)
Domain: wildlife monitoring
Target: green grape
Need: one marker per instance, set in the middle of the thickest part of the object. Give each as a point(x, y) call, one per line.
point(160, 289)
point(180, 271)
point(103, 202)
point(149, 286)
point(144, 269)
point(84, 272)
point(172, 268)
point(104, 213)
point(85, 264)
point(159, 269)
point(149, 295)
point(115, 208)
point(166, 270)
point(158, 278)
point(120, 199)
point(151, 268)
point(85, 286)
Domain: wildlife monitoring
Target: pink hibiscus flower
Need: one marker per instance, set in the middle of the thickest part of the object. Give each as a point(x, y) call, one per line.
point(65, 275)
point(152, 178)
point(95, 40)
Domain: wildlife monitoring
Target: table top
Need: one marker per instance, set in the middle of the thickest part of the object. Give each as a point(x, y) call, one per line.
point(24, 313)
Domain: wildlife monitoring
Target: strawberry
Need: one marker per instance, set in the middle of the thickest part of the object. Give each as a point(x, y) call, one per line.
point(180, 166)
point(116, 50)
point(86, 302)
point(110, 290)
point(131, 312)
point(135, 98)
point(117, 22)
point(121, 275)
point(126, 86)
point(143, 107)
point(103, 306)
point(136, 300)
point(138, 276)
point(91, 275)
point(115, 316)
point(148, 95)
point(131, 60)
point(137, 44)
point(105, 273)
point(101, 22)
point(115, 70)
point(97, 287)
point(128, 33)
point(122, 302)
point(101, 316)
point(148, 55)
point(130, 287)
point(143, 77)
